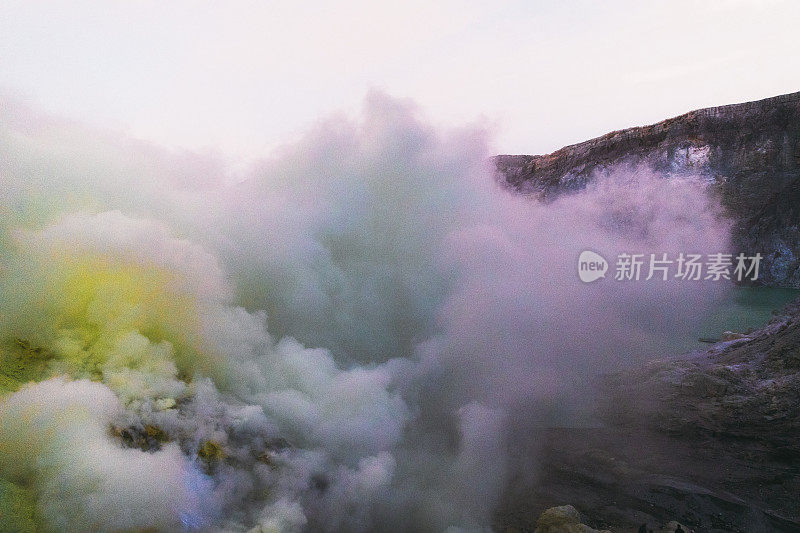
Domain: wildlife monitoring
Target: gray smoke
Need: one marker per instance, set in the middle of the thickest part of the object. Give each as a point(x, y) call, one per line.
point(349, 337)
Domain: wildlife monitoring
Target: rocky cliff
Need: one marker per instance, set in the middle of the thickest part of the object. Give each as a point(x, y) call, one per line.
point(749, 153)
point(710, 438)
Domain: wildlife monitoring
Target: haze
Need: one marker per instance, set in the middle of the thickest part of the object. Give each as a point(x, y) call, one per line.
point(241, 78)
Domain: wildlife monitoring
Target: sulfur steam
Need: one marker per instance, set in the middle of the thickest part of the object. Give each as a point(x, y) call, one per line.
point(353, 336)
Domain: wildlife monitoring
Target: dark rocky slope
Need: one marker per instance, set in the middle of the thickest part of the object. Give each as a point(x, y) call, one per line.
point(710, 439)
point(749, 153)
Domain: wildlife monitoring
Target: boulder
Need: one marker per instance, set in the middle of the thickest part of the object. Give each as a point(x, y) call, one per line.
point(562, 519)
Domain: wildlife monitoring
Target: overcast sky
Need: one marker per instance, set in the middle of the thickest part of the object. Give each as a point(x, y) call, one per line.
point(242, 77)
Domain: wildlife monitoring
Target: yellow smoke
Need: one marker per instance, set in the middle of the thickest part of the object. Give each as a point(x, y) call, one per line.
point(98, 317)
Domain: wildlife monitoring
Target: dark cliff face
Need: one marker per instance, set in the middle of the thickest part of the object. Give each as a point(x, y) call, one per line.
point(749, 153)
point(710, 438)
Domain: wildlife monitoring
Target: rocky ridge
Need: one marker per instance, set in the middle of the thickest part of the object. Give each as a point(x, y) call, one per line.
point(748, 153)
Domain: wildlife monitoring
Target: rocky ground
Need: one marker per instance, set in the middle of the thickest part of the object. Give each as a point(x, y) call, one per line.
point(710, 439)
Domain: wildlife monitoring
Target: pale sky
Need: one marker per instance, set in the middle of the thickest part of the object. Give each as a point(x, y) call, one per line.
point(242, 77)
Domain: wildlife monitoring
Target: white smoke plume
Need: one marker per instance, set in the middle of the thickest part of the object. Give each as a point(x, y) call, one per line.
point(56, 432)
point(351, 337)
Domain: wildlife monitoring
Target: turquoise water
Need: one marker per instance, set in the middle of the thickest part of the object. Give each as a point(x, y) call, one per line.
point(745, 308)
